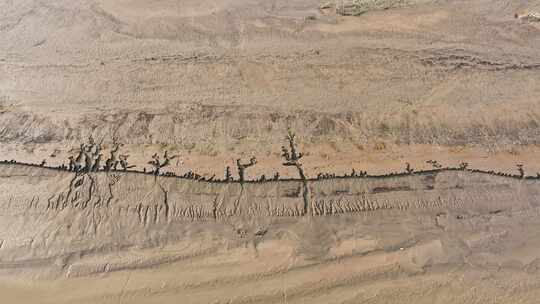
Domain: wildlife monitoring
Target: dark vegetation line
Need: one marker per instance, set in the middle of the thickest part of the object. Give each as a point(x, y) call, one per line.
point(89, 159)
point(328, 176)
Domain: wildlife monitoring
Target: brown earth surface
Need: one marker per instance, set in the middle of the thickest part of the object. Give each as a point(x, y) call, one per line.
point(213, 81)
point(447, 236)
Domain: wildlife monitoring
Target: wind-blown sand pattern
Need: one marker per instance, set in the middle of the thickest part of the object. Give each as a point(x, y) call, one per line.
point(250, 242)
point(413, 177)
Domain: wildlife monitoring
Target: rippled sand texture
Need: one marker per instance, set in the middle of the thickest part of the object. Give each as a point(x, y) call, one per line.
point(214, 81)
point(452, 236)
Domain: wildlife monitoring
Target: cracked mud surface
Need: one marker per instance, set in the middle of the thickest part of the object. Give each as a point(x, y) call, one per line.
point(214, 81)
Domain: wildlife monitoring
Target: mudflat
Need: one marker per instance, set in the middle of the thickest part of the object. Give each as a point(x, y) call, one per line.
point(418, 123)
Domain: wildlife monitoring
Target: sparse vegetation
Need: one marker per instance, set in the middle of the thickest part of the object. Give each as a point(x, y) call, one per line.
point(291, 155)
point(520, 170)
point(159, 163)
point(97, 163)
point(243, 166)
point(358, 7)
point(409, 169)
point(124, 164)
point(435, 164)
point(292, 159)
point(113, 161)
point(87, 159)
point(228, 175)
